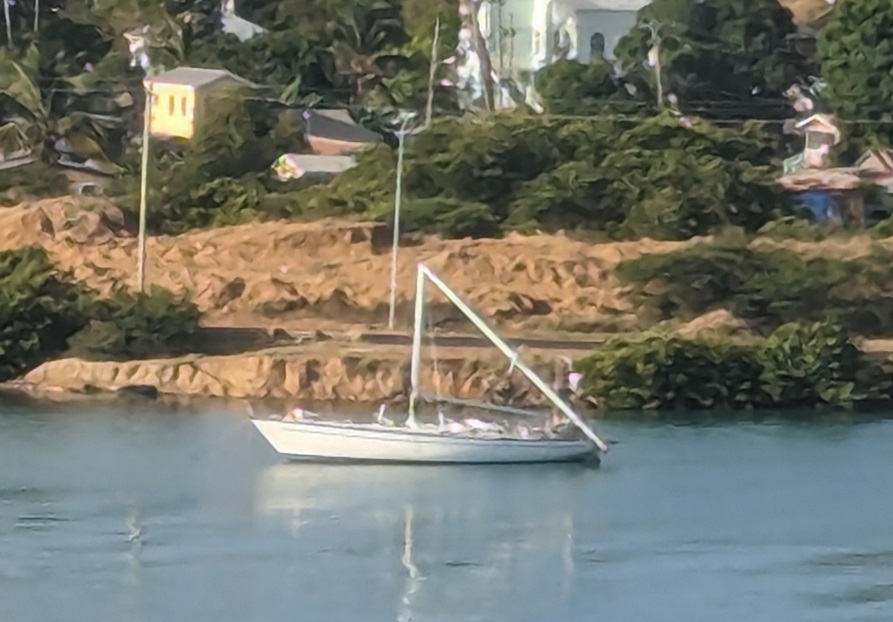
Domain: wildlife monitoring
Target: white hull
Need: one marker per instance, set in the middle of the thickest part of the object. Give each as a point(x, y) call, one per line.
point(374, 443)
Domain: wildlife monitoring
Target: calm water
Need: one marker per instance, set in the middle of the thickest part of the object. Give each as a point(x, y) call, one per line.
point(167, 517)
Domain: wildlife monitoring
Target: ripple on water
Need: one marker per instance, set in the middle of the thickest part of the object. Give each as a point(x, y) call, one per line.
point(732, 523)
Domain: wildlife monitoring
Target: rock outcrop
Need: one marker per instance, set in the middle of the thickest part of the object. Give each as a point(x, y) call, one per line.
point(333, 272)
point(317, 372)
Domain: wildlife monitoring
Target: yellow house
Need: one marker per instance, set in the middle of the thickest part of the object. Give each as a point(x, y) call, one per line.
point(180, 95)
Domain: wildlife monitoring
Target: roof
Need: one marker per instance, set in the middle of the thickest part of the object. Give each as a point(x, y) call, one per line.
point(819, 118)
point(603, 5)
point(296, 165)
point(337, 114)
point(196, 76)
point(827, 179)
point(819, 123)
point(337, 125)
point(242, 28)
point(319, 163)
point(878, 161)
point(808, 12)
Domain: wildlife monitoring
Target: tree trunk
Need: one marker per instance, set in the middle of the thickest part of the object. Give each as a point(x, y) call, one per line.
point(432, 74)
point(480, 48)
point(8, 24)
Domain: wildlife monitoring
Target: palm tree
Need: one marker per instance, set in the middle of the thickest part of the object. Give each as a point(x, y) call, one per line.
point(28, 117)
point(364, 48)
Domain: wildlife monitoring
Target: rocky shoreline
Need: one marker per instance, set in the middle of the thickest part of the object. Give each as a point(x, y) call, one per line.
point(325, 371)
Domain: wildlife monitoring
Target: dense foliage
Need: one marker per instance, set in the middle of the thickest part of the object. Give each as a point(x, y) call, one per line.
point(857, 65)
point(33, 181)
point(812, 365)
point(68, 86)
point(568, 87)
point(39, 310)
point(221, 177)
point(768, 287)
point(727, 59)
point(658, 177)
point(135, 325)
point(43, 312)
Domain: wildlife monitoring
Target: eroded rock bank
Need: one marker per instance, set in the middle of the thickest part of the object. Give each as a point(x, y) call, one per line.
point(319, 372)
point(332, 274)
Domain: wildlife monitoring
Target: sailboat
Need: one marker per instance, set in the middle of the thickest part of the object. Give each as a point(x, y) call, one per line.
point(413, 442)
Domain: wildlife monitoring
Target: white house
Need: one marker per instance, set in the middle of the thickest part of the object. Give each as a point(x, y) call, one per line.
point(524, 35)
point(231, 23)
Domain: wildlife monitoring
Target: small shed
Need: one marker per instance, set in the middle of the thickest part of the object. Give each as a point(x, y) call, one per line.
point(181, 97)
point(16, 158)
point(334, 132)
point(320, 167)
point(821, 135)
point(829, 195)
point(877, 165)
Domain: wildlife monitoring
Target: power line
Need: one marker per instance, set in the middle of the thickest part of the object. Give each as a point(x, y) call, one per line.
point(691, 104)
point(706, 107)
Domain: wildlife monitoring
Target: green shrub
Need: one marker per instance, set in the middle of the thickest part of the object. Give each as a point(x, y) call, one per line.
point(767, 287)
point(36, 180)
point(43, 313)
point(40, 309)
point(796, 228)
point(797, 366)
point(136, 325)
point(625, 177)
point(447, 217)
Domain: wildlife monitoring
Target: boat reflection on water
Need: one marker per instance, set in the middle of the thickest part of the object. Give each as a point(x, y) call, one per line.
point(491, 523)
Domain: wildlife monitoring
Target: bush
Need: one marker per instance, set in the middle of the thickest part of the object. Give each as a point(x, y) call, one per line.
point(140, 325)
point(796, 228)
point(43, 312)
point(797, 366)
point(767, 287)
point(625, 177)
point(39, 310)
point(222, 176)
point(573, 88)
point(36, 180)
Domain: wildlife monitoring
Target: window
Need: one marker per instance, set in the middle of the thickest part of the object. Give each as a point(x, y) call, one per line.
point(170, 105)
point(816, 140)
point(183, 106)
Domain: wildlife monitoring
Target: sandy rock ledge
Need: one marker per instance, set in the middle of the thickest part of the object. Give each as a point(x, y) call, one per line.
point(318, 372)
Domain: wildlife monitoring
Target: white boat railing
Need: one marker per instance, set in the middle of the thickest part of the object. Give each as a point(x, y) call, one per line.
point(424, 274)
point(510, 410)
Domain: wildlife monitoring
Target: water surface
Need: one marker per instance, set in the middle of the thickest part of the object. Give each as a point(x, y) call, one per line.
point(139, 514)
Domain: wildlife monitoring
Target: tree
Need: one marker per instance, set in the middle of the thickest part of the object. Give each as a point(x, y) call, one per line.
point(574, 88)
point(42, 121)
point(722, 59)
point(856, 53)
point(621, 177)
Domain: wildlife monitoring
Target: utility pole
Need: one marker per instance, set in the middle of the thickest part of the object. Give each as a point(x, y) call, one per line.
point(8, 24)
point(36, 15)
point(486, 65)
point(144, 188)
point(398, 195)
point(429, 108)
point(654, 27)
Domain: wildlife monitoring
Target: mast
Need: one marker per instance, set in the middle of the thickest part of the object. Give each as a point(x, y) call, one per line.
point(418, 325)
point(423, 272)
